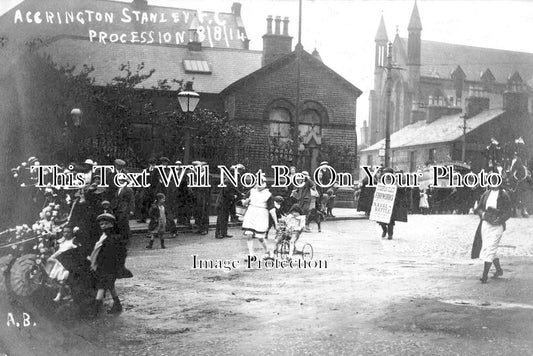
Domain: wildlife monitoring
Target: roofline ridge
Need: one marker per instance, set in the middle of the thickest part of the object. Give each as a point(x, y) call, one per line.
point(167, 45)
point(164, 7)
point(470, 46)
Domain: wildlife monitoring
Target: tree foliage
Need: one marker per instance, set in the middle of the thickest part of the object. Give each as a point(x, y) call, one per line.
point(124, 118)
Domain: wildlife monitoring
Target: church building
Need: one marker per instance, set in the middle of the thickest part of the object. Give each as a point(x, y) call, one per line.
point(433, 82)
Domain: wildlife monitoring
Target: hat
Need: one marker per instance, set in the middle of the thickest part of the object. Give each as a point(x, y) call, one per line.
point(106, 217)
point(388, 170)
point(160, 195)
point(178, 162)
point(279, 199)
point(90, 162)
point(297, 209)
point(305, 173)
point(119, 162)
point(105, 202)
point(239, 166)
point(32, 160)
point(324, 163)
point(152, 160)
point(196, 163)
point(164, 160)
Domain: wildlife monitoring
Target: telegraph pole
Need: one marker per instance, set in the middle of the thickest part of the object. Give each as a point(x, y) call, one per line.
point(296, 133)
point(388, 83)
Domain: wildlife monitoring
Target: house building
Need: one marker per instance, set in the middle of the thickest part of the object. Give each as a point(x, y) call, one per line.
point(211, 49)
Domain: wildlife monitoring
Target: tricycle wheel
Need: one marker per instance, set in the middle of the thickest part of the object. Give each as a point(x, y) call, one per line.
point(19, 280)
point(307, 252)
point(5, 262)
point(284, 248)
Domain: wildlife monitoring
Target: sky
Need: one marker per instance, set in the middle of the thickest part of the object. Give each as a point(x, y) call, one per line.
point(343, 31)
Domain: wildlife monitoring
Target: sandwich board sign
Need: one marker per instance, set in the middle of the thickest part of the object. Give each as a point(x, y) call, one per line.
point(383, 203)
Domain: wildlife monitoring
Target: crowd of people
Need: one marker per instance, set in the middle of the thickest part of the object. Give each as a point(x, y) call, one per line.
point(100, 217)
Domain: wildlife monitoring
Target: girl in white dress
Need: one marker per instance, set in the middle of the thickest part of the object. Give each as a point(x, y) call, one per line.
point(256, 219)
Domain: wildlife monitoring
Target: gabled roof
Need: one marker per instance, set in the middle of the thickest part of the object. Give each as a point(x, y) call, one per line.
point(285, 60)
point(226, 65)
point(443, 130)
point(443, 58)
point(176, 20)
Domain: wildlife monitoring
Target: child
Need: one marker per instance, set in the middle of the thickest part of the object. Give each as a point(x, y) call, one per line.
point(278, 203)
point(331, 202)
point(423, 205)
point(295, 223)
point(158, 220)
point(55, 269)
point(106, 206)
point(105, 262)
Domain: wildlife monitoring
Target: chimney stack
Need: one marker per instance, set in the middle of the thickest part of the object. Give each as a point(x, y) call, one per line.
point(278, 22)
point(140, 4)
point(236, 8)
point(476, 102)
point(277, 44)
point(269, 25)
point(285, 26)
point(515, 102)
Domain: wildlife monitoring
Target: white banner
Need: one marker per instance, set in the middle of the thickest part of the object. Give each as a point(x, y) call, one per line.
point(383, 203)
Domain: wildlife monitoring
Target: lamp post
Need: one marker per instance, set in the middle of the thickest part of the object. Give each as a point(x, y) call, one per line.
point(76, 118)
point(188, 100)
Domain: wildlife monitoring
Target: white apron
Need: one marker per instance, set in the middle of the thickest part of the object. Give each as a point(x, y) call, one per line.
point(256, 218)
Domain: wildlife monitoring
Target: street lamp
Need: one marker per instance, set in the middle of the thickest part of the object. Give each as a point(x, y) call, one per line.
point(76, 115)
point(188, 100)
point(73, 134)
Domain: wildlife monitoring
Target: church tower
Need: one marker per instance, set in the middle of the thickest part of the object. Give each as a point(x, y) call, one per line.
point(381, 41)
point(413, 51)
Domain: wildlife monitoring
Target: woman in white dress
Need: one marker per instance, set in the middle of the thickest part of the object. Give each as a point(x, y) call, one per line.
point(256, 219)
point(424, 204)
point(495, 209)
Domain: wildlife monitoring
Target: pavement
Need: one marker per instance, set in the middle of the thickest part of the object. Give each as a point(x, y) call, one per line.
point(340, 214)
point(417, 294)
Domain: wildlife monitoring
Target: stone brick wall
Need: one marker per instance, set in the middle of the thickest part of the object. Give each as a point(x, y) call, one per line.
point(254, 99)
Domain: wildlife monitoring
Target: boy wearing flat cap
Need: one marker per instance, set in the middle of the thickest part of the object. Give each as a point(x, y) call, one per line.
point(106, 262)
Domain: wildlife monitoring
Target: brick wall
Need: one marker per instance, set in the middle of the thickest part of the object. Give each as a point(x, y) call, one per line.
point(318, 84)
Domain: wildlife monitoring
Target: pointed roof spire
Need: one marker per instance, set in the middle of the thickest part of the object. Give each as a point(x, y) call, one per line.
point(415, 23)
point(381, 35)
point(316, 55)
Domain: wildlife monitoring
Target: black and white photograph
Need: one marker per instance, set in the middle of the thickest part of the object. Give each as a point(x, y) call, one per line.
point(274, 177)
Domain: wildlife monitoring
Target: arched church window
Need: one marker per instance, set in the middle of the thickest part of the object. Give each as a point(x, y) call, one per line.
point(279, 123)
point(310, 121)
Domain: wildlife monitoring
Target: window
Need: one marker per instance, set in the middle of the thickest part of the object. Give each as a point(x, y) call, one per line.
point(412, 161)
point(431, 154)
point(369, 160)
point(309, 121)
point(279, 123)
point(195, 66)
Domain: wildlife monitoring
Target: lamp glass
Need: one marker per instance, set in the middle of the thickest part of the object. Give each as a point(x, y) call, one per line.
point(188, 100)
point(76, 117)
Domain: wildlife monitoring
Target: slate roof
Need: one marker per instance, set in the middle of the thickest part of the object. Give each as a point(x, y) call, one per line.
point(227, 65)
point(284, 61)
point(440, 59)
point(208, 20)
point(442, 130)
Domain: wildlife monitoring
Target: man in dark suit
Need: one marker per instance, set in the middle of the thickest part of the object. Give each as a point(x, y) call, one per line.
point(202, 201)
point(226, 197)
